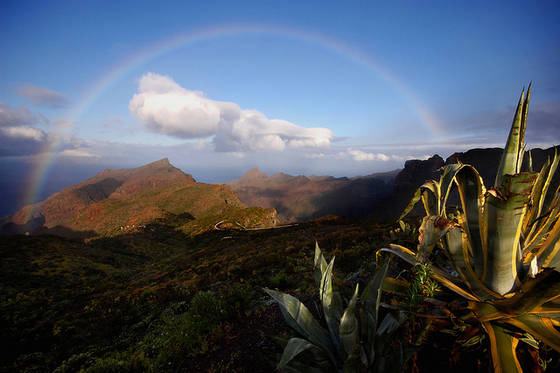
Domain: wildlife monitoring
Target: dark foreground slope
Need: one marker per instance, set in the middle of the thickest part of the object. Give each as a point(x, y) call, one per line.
point(117, 201)
point(163, 301)
point(160, 300)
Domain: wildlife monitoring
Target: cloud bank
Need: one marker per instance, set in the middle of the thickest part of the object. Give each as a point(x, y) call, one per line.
point(18, 137)
point(360, 156)
point(41, 96)
point(10, 116)
point(165, 107)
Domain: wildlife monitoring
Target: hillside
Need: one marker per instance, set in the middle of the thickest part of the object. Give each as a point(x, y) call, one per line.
point(160, 300)
point(117, 201)
point(299, 198)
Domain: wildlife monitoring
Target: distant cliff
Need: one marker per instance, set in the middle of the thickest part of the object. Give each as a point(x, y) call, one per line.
point(416, 172)
point(299, 198)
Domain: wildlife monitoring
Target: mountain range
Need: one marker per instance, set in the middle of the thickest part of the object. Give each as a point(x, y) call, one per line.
point(300, 198)
point(118, 201)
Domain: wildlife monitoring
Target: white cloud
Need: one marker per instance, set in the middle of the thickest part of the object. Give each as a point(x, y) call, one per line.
point(165, 107)
point(79, 153)
point(359, 156)
point(23, 132)
point(19, 138)
point(315, 155)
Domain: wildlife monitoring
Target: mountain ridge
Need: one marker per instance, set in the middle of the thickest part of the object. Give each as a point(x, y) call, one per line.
point(299, 197)
point(116, 198)
point(113, 199)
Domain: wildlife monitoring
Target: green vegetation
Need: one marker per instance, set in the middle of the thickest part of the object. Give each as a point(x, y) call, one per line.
point(354, 340)
point(194, 209)
point(500, 247)
point(129, 301)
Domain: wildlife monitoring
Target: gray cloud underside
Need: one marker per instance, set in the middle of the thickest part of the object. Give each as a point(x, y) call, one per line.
point(18, 137)
point(42, 96)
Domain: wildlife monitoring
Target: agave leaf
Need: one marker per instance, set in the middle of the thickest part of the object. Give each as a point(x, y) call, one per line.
point(300, 319)
point(548, 254)
point(502, 346)
point(505, 211)
point(457, 247)
point(371, 299)
point(415, 198)
point(541, 328)
point(454, 249)
point(446, 182)
point(445, 279)
point(536, 193)
point(544, 206)
point(432, 229)
point(294, 347)
point(524, 114)
point(521, 155)
point(431, 197)
point(548, 310)
point(528, 339)
point(510, 156)
point(387, 357)
point(485, 311)
point(319, 265)
point(395, 286)
point(429, 194)
point(536, 238)
point(332, 303)
point(471, 192)
point(400, 251)
point(385, 331)
point(547, 195)
point(349, 327)
point(533, 293)
point(388, 325)
point(440, 277)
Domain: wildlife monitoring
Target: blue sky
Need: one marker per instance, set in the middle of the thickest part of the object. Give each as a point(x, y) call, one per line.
point(340, 88)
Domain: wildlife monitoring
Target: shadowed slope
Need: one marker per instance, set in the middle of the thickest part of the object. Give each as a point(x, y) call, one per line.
point(298, 198)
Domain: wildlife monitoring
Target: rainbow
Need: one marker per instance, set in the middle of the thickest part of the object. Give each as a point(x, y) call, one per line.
point(46, 160)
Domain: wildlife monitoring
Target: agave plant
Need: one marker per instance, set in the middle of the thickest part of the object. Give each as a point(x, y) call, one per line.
point(502, 245)
point(352, 340)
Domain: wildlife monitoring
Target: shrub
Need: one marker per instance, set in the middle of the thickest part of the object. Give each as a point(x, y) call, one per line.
point(353, 339)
